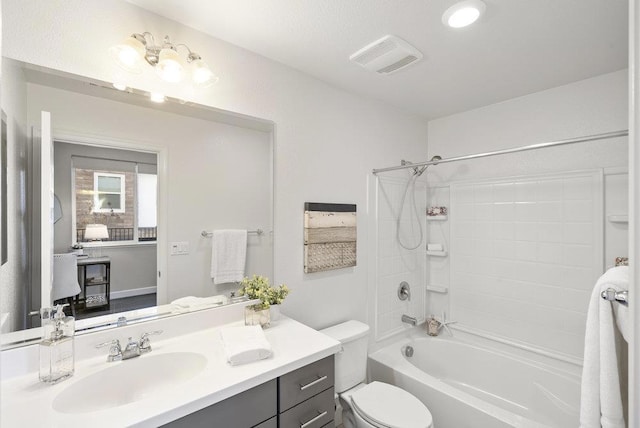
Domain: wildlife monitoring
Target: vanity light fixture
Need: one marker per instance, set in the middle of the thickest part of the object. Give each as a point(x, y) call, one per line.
point(134, 51)
point(463, 13)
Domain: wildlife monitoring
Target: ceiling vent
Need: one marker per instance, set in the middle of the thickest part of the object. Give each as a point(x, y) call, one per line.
point(387, 55)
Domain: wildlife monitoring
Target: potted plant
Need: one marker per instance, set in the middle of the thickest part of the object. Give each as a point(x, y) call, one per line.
point(276, 296)
point(258, 287)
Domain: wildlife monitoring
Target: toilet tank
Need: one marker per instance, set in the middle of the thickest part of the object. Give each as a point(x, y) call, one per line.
point(351, 362)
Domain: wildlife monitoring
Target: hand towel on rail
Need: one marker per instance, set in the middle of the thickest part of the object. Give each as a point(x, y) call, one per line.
point(601, 399)
point(245, 344)
point(228, 255)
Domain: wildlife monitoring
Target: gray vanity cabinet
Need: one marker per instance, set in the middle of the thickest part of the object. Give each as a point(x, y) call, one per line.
point(302, 398)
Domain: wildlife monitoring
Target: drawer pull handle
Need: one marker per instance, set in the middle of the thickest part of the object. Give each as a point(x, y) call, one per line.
point(309, 422)
point(315, 382)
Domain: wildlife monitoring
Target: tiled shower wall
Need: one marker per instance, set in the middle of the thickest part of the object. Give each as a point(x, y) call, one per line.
point(525, 254)
point(395, 264)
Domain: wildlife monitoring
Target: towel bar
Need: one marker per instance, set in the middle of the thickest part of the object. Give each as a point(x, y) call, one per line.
point(615, 296)
point(255, 232)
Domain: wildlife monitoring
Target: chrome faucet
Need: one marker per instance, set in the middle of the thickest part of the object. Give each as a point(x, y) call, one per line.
point(409, 320)
point(132, 350)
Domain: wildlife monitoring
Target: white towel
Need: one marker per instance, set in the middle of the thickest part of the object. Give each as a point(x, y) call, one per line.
point(601, 399)
point(228, 255)
point(191, 302)
point(245, 344)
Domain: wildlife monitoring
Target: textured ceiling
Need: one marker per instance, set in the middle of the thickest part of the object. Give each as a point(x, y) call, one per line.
point(518, 47)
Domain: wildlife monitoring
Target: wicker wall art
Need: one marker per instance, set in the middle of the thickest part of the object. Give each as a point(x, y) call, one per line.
point(329, 236)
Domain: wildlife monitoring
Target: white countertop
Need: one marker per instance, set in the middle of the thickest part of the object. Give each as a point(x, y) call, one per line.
point(28, 402)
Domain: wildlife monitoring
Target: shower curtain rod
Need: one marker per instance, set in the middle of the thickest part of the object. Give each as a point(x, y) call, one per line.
point(584, 139)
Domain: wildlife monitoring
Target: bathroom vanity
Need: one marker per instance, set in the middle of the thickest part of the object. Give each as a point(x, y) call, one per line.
point(301, 398)
point(184, 382)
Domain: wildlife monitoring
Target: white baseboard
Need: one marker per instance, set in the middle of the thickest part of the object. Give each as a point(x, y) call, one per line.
point(133, 292)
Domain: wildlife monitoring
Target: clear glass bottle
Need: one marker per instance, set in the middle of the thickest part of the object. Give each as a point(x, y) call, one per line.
point(57, 350)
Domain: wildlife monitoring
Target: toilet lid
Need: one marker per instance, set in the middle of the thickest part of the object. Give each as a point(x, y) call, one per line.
point(386, 405)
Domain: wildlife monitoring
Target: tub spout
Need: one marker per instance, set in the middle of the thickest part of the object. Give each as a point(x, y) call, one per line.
point(409, 320)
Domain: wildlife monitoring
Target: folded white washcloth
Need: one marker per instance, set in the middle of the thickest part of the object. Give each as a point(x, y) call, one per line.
point(601, 399)
point(228, 255)
point(195, 302)
point(245, 344)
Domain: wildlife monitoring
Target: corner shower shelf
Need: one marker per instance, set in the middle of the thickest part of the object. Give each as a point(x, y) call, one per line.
point(618, 218)
point(436, 217)
point(437, 253)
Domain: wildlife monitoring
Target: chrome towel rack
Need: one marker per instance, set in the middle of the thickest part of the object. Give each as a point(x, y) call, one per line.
point(258, 232)
point(615, 296)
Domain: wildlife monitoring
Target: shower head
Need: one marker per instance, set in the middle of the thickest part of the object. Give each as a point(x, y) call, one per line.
point(419, 171)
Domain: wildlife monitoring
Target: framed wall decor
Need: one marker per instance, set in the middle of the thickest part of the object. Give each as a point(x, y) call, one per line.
point(329, 236)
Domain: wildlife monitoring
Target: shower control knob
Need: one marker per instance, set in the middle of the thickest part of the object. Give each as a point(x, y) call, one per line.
point(404, 291)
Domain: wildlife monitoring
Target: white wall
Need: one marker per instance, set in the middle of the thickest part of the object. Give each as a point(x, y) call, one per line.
point(327, 140)
point(586, 107)
point(13, 300)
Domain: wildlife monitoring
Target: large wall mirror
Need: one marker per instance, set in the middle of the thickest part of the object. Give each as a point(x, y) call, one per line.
point(128, 187)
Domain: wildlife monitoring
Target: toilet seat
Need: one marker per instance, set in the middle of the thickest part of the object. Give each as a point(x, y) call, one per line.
point(387, 406)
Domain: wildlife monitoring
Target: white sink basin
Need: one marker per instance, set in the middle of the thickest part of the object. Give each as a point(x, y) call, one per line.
point(127, 381)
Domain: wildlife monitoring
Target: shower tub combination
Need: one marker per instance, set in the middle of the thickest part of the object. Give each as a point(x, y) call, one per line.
point(466, 385)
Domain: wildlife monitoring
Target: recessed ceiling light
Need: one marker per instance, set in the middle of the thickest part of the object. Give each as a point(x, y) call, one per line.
point(463, 13)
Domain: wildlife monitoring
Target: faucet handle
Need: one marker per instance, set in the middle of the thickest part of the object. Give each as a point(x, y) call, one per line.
point(115, 351)
point(145, 342)
point(131, 344)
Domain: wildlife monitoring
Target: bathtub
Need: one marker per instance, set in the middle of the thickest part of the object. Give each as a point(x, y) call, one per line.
point(466, 385)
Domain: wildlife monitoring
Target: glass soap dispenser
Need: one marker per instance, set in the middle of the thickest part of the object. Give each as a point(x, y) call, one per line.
point(56, 348)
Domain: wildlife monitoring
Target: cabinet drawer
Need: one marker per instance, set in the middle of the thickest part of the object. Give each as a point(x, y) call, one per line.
point(247, 409)
point(271, 423)
point(305, 382)
point(316, 412)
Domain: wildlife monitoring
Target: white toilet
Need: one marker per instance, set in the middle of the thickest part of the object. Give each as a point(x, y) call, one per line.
point(373, 405)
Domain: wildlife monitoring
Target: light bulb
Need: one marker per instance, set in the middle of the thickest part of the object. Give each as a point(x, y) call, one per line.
point(202, 75)
point(129, 54)
point(156, 97)
point(169, 65)
point(464, 13)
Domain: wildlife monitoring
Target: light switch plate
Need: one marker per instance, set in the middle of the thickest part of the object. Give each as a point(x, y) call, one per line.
point(179, 248)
